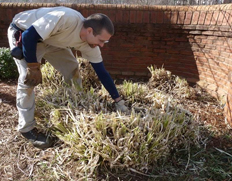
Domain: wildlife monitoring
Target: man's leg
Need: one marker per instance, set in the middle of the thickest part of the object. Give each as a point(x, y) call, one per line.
point(25, 94)
point(25, 102)
point(66, 63)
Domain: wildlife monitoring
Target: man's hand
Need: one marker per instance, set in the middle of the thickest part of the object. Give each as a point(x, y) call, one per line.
point(120, 106)
point(34, 75)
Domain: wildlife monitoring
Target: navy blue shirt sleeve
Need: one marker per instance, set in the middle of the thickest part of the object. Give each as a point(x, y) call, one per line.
point(105, 79)
point(30, 38)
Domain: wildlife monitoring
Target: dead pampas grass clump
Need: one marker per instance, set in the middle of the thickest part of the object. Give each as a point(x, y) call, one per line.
point(163, 80)
point(96, 136)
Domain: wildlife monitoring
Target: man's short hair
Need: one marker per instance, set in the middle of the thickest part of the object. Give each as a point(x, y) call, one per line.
point(98, 22)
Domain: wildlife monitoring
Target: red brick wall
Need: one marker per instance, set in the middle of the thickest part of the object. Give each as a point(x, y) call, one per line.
point(193, 42)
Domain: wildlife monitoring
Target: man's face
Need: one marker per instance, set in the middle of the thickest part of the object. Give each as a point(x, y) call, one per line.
point(98, 40)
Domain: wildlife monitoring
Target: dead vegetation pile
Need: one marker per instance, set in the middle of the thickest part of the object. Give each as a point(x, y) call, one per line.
point(205, 108)
point(162, 119)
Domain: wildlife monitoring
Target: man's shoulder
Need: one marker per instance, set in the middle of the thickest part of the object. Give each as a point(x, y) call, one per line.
point(69, 12)
point(66, 9)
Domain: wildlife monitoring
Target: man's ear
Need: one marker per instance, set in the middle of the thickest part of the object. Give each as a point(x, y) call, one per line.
point(90, 30)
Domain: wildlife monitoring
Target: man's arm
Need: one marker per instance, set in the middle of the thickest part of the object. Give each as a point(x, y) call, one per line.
point(108, 83)
point(106, 80)
point(30, 38)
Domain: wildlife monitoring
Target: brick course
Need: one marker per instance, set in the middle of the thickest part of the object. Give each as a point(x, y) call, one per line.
point(191, 41)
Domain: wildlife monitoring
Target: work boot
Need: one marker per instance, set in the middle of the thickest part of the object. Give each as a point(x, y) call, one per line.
point(39, 140)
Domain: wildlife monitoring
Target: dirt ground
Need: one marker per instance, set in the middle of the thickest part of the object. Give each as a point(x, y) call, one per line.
point(16, 153)
point(8, 111)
